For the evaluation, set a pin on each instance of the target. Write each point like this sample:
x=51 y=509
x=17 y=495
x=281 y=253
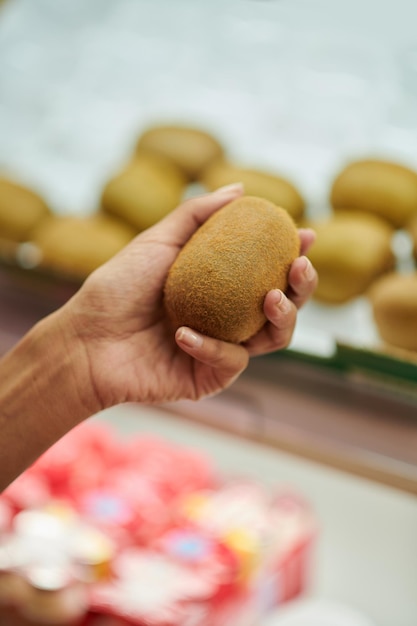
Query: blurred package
x=107 y=532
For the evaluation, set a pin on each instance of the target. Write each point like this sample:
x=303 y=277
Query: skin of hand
x=131 y=352
x=112 y=343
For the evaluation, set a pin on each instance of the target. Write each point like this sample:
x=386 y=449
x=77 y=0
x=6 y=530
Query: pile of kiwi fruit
x=370 y=201
x=166 y=162
x=33 y=235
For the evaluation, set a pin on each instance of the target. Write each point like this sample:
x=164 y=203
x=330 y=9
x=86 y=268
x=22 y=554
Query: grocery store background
x=296 y=86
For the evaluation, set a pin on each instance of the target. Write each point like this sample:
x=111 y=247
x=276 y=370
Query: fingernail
x=308 y=269
x=282 y=302
x=229 y=188
x=189 y=338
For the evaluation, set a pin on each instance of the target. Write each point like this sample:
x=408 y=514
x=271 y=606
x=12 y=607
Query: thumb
x=178 y=226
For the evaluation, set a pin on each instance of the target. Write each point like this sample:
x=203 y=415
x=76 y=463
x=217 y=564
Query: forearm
x=43 y=394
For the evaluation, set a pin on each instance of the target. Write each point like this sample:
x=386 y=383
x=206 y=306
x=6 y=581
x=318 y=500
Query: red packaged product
x=272 y=537
x=207 y=557
x=110 y=512
x=173 y=469
x=78 y=462
x=292 y=540
x=29 y=490
x=151 y=589
x=6 y=515
x=152 y=514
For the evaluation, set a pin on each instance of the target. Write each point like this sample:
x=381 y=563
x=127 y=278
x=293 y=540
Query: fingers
x=302 y=281
x=276 y=334
x=281 y=312
x=307 y=238
x=281 y=309
x=228 y=359
x=177 y=227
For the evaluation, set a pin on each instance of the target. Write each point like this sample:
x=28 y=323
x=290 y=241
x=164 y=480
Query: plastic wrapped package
x=148 y=535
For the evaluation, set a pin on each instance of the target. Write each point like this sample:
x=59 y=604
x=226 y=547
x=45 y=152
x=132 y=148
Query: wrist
x=43 y=393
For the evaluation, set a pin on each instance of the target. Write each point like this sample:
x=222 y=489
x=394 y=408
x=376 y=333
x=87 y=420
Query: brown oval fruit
x=351 y=251
x=380 y=187
x=145 y=190
x=258 y=183
x=76 y=246
x=190 y=149
x=219 y=280
x=21 y=210
x=394 y=306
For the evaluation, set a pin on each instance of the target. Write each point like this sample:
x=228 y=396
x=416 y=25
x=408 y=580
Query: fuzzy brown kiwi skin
x=218 y=283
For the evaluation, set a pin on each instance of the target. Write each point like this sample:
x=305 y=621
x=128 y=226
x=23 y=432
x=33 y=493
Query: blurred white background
x=293 y=85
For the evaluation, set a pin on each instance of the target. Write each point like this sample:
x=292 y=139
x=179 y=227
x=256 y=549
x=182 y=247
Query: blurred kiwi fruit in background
x=394 y=306
x=75 y=246
x=188 y=148
x=258 y=183
x=351 y=250
x=21 y=209
x=144 y=191
x=383 y=188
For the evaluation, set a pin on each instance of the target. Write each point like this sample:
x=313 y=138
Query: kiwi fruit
x=351 y=250
x=274 y=188
x=21 y=209
x=75 y=246
x=146 y=190
x=386 y=189
x=220 y=278
x=394 y=305
x=190 y=149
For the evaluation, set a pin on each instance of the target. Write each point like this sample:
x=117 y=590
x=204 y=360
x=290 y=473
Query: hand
x=131 y=351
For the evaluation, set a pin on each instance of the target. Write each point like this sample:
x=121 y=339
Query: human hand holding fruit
x=119 y=315
x=113 y=341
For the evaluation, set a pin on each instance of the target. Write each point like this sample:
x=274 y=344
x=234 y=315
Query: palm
x=132 y=352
